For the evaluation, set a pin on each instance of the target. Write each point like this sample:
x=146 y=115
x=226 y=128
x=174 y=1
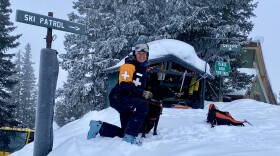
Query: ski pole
x=245 y=121
x=184 y=75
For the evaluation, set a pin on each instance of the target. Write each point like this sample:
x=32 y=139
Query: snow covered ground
x=181 y=132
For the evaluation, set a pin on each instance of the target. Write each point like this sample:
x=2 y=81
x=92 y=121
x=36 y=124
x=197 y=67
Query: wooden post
x=49 y=34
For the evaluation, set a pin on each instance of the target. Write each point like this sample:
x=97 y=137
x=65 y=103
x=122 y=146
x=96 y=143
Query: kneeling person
x=128 y=97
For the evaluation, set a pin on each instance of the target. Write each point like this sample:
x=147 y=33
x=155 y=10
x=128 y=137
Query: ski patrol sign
x=49 y=22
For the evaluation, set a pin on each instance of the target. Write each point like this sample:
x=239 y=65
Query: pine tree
x=64 y=113
x=28 y=91
x=25 y=91
x=16 y=96
x=6 y=66
x=114 y=26
x=217 y=22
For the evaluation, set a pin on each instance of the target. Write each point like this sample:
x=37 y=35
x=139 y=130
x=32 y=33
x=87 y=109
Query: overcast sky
x=267 y=24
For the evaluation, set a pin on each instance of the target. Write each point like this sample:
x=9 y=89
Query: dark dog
x=152 y=117
x=155 y=109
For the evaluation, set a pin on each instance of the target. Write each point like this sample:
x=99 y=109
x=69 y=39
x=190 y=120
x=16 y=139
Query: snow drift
x=181 y=132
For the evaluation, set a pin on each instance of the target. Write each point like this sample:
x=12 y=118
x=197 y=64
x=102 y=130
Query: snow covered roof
x=179 y=49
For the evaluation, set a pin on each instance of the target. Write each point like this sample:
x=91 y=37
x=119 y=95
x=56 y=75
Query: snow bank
x=181 y=132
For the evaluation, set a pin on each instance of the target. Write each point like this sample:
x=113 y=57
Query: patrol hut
x=175 y=66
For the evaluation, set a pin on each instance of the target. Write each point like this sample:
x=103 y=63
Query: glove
x=147 y=95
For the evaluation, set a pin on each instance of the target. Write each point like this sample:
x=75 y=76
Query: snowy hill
x=181 y=132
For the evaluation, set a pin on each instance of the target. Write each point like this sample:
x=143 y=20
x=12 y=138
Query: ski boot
x=94 y=128
x=131 y=139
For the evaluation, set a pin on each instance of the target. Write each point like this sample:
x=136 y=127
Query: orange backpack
x=217 y=117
